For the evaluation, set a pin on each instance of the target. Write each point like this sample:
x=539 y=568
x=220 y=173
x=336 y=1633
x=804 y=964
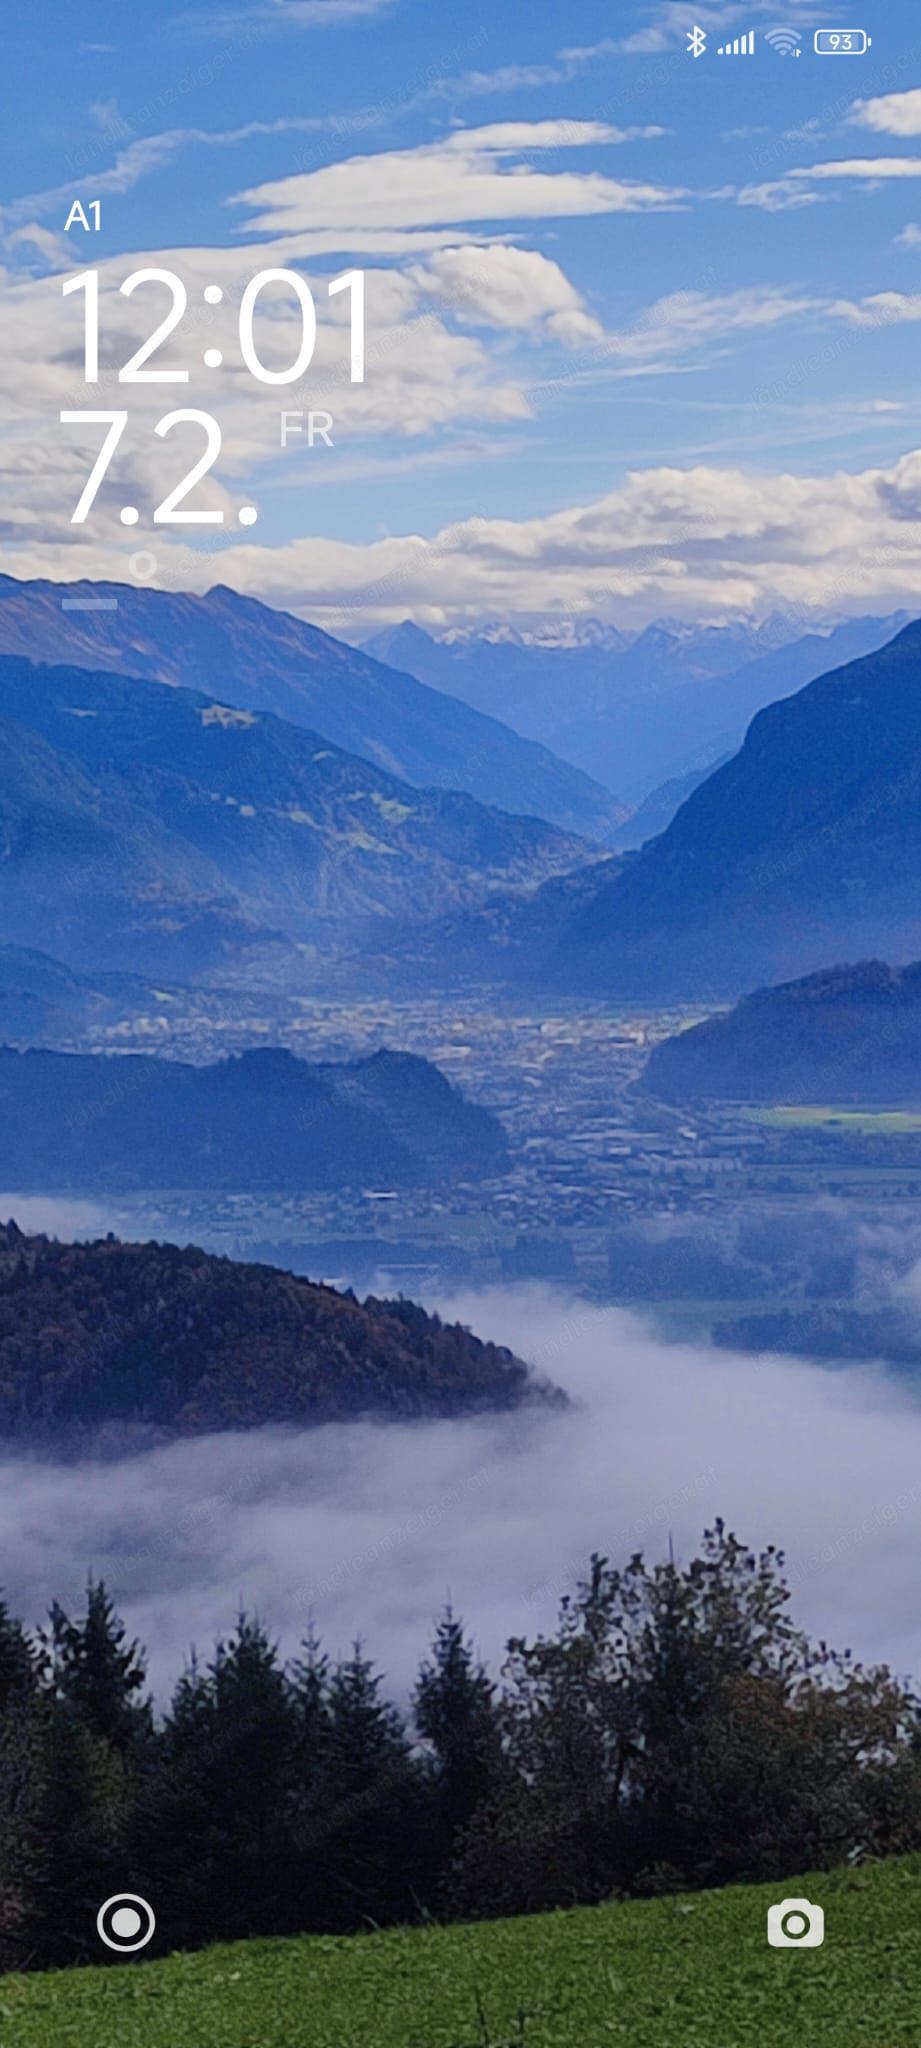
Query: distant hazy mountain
x=41 y=999
x=659 y=807
x=109 y=1337
x=637 y=712
x=262 y=660
x=802 y=850
x=510 y=940
x=99 y=1123
x=847 y=1034
x=148 y=828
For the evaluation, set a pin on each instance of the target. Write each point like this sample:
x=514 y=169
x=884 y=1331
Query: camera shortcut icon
x=795 y=1923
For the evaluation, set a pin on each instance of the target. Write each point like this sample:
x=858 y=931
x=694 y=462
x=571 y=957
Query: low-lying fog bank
x=368 y=1528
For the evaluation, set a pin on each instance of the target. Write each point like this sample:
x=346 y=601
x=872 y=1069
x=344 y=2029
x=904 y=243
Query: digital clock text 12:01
x=172 y=511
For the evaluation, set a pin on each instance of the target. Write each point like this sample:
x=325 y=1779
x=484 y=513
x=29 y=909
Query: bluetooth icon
x=697 y=41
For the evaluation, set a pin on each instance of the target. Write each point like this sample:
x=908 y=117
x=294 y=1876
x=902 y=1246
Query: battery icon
x=841 y=42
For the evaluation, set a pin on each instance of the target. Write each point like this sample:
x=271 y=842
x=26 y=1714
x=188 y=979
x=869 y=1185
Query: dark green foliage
x=109 y=1333
x=677 y=1730
x=212 y=1834
x=20 y=1659
x=23 y=1785
x=369 y=1848
x=97 y=1673
x=77 y=1825
x=455 y=1713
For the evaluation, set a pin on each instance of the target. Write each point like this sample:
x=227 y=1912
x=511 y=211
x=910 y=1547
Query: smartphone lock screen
x=460 y=1024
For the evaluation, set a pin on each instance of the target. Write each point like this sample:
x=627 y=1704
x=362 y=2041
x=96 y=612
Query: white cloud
x=425 y=373
x=364 y=1528
x=909 y=236
x=106 y=114
x=670 y=20
x=682 y=321
x=422 y=378
x=777 y=195
x=504 y=287
x=794 y=187
x=277 y=15
x=324 y=13
x=471 y=175
x=146 y=154
x=506 y=78
x=880 y=309
x=707 y=541
x=894 y=113
x=868 y=167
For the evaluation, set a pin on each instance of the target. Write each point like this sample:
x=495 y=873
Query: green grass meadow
x=868 y=1122
x=693 y=1971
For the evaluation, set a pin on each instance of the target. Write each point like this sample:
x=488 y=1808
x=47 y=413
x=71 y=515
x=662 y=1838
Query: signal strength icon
x=786 y=41
x=741 y=46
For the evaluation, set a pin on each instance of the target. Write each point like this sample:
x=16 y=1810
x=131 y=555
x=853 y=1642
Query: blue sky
x=642 y=330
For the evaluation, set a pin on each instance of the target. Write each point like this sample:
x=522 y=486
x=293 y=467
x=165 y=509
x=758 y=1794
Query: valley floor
x=692 y=1971
x=589 y=1154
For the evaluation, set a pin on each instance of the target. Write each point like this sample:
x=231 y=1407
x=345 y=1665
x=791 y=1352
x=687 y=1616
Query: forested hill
x=181 y=1342
x=847 y=1034
x=262 y=1119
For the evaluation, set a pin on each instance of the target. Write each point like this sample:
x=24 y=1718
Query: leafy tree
x=679 y=1729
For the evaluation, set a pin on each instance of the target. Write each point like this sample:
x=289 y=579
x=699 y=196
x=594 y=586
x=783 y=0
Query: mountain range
x=263 y=1120
x=257 y=659
x=97 y=1339
x=847 y=1034
x=41 y=1000
x=148 y=828
x=803 y=849
x=635 y=712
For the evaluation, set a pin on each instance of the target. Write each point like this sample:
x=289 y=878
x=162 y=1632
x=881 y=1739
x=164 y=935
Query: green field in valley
x=693 y=1971
x=815 y=1116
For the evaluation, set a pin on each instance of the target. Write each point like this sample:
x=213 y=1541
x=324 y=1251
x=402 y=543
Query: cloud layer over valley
x=368 y=1529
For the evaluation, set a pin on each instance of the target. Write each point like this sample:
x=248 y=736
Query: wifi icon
x=786 y=41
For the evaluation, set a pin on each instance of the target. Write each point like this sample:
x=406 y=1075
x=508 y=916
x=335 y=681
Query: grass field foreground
x=693 y=1971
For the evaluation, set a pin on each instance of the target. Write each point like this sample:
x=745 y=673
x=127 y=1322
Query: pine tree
x=97 y=1672
x=455 y=1715
x=19 y=1659
x=173 y=1847
x=23 y=1768
x=311 y=1793
x=213 y=1829
x=372 y=1851
x=78 y=1820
